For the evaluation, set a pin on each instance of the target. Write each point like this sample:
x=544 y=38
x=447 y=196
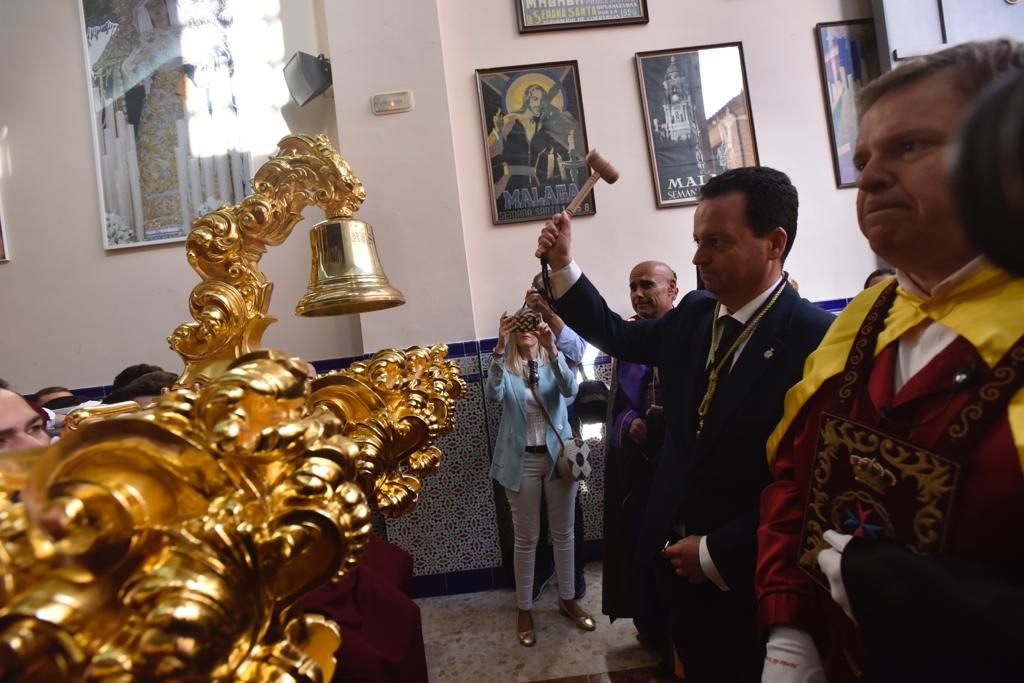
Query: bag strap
x=561 y=444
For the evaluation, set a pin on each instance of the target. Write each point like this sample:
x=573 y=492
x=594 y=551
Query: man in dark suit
x=726 y=358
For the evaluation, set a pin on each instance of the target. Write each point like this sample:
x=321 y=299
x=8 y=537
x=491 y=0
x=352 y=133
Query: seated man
x=21 y=425
x=144 y=389
x=131 y=373
x=44 y=396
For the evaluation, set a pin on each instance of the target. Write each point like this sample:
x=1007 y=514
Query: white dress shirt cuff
x=564 y=278
x=707 y=565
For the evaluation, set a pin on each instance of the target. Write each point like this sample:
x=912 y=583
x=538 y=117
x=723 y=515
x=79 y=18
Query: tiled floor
x=471 y=638
x=644 y=675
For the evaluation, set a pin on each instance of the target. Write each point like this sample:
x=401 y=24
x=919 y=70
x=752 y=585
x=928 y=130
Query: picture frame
x=535 y=140
x=165 y=119
x=697 y=116
x=544 y=15
x=5 y=253
x=848 y=59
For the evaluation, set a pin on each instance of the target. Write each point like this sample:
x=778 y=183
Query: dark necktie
x=729 y=329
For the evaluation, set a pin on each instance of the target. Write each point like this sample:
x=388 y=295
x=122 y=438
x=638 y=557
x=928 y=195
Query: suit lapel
x=696 y=364
x=762 y=352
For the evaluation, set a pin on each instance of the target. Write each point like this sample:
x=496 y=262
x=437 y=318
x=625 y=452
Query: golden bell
x=346 y=276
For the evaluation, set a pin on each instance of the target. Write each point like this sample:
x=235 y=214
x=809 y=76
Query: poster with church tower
x=697 y=116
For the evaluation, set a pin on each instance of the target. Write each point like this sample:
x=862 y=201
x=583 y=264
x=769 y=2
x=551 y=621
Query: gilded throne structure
x=175 y=541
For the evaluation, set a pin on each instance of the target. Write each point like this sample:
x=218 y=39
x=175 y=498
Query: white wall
x=71 y=313
x=406 y=163
x=830 y=259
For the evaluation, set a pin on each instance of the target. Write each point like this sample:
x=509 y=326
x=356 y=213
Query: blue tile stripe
x=460 y=349
x=453 y=583
x=833 y=305
x=475 y=352
x=95 y=393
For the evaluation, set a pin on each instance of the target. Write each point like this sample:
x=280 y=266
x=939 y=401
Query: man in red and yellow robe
x=955 y=611
x=983 y=316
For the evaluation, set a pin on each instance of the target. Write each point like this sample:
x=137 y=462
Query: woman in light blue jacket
x=530 y=378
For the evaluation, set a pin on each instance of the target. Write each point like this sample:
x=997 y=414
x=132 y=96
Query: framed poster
x=4 y=254
x=547 y=15
x=165 y=116
x=535 y=140
x=697 y=114
x=848 y=55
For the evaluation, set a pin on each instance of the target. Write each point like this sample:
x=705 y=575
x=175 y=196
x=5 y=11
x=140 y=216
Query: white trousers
x=525 y=504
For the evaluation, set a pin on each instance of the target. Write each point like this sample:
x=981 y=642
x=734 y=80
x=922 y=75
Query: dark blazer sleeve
x=934 y=618
x=638 y=341
x=731 y=547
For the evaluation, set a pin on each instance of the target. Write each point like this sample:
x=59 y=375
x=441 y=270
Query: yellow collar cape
x=986 y=308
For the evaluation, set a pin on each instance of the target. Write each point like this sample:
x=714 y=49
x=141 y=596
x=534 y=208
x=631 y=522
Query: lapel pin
x=769 y=353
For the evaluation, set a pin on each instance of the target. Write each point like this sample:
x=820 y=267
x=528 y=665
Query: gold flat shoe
x=527 y=638
x=583 y=623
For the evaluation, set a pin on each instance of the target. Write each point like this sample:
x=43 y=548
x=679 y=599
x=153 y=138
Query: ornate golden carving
x=76 y=418
x=174 y=542
x=225 y=246
x=395 y=405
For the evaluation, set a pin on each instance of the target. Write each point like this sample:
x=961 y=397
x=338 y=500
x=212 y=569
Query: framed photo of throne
x=697 y=116
x=535 y=140
x=167 y=114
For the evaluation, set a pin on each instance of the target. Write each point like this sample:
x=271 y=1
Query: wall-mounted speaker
x=307 y=76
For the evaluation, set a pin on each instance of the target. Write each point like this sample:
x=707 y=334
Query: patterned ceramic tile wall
x=462 y=521
x=592 y=490
x=462 y=517
x=591 y=494
x=454 y=526
x=493 y=410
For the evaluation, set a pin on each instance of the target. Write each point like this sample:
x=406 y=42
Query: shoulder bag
x=573 y=462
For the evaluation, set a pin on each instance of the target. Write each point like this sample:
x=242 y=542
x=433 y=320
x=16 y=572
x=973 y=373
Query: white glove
x=791 y=657
x=830 y=561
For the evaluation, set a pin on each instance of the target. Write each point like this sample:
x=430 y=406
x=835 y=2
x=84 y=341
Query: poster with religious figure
x=535 y=140
x=165 y=115
x=697 y=115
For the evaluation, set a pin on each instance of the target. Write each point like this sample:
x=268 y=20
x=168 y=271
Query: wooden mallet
x=601 y=168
